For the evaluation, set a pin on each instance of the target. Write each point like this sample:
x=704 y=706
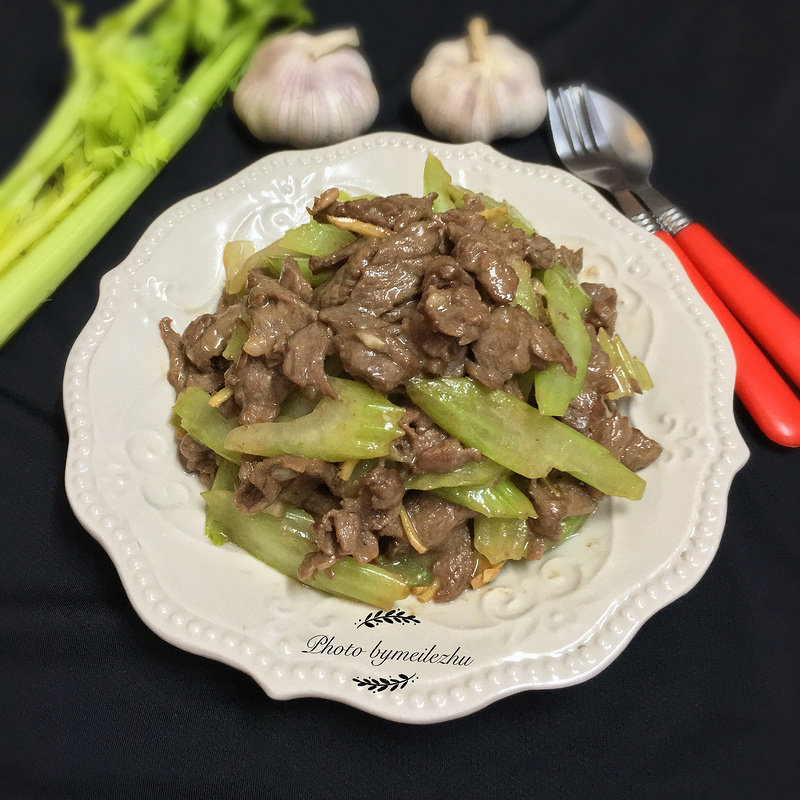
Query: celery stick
x=296 y=405
x=414 y=568
x=435 y=178
x=516 y=435
x=624 y=366
x=233 y=349
x=224 y=480
x=571 y=525
x=314 y=238
x=34 y=276
x=473 y=473
x=499 y=539
x=525 y=295
x=554 y=388
x=283 y=543
x=361 y=423
x=499 y=499
x=204 y=423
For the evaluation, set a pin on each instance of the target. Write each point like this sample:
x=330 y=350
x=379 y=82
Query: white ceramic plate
x=541 y=624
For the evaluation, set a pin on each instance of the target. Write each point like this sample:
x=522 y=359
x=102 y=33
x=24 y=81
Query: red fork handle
x=774 y=326
x=770 y=401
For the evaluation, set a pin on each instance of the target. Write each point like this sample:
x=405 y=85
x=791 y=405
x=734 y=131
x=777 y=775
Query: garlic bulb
x=307 y=90
x=479 y=88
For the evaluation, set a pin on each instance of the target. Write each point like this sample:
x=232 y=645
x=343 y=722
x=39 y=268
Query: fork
x=585 y=151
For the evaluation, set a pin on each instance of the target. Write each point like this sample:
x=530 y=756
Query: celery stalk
x=499 y=499
x=435 y=178
x=499 y=539
x=519 y=437
x=36 y=274
x=284 y=543
x=473 y=473
x=204 y=423
x=361 y=423
x=553 y=387
x=224 y=480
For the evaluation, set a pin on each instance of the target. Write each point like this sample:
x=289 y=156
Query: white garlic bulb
x=479 y=88
x=307 y=90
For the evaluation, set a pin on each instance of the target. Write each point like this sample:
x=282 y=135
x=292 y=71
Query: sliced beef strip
x=323 y=202
x=206 y=336
x=450 y=302
x=292 y=279
x=352 y=527
x=304 y=362
x=380 y=496
x=182 y=373
x=371 y=349
x=393 y=212
x=196 y=457
x=275 y=314
x=425 y=447
x=592 y=416
x=514 y=342
x=258 y=389
x=557 y=497
x=319 y=264
x=603 y=311
x=541 y=253
x=290 y=479
x=382 y=273
x=490 y=262
x=440 y=354
x=342 y=532
x=454 y=565
x=434 y=518
x=350 y=268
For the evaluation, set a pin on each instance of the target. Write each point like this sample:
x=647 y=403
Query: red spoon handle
x=774 y=326
x=768 y=398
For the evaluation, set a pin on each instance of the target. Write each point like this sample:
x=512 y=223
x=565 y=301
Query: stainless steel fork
x=587 y=153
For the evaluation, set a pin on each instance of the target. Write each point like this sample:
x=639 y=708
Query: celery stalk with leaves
x=142 y=80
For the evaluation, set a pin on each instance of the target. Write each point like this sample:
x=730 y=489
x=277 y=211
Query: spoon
x=773 y=324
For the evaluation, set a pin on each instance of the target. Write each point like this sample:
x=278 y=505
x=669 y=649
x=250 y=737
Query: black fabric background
x=703 y=703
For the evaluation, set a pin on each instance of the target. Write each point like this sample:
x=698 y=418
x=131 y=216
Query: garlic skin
x=479 y=88
x=307 y=90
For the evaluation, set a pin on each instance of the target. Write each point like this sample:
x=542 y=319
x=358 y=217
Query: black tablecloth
x=703 y=703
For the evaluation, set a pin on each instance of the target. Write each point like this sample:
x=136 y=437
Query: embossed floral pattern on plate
x=542 y=624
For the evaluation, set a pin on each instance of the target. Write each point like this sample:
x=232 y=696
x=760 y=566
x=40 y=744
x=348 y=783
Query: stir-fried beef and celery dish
x=404 y=393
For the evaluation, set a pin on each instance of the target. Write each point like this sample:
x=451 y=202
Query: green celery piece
x=282 y=543
x=499 y=539
x=435 y=178
x=498 y=499
x=473 y=473
x=233 y=349
x=525 y=295
x=413 y=568
x=518 y=436
x=553 y=387
x=296 y=405
x=314 y=238
x=571 y=525
x=510 y=218
x=361 y=423
x=624 y=366
x=224 y=480
x=203 y=422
